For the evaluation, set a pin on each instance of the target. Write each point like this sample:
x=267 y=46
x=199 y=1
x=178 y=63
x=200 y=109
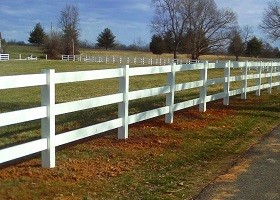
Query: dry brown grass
x=119 y=53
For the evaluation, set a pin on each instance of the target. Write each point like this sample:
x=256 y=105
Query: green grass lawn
x=158 y=161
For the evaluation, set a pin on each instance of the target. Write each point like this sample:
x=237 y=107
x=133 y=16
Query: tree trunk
x=174 y=54
x=195 y=56
x=175 y=47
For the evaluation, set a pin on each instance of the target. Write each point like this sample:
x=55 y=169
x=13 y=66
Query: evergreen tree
x=254 y=47
x=37 y=35
x=157 y=45
x=106 y=39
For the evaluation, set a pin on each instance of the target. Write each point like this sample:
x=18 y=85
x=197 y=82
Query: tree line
x=200 y=27
x=66 y=41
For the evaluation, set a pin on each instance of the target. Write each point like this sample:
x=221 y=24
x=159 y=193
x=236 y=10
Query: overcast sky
x=128 y=19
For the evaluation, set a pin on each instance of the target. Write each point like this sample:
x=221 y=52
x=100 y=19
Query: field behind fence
x=204 y=82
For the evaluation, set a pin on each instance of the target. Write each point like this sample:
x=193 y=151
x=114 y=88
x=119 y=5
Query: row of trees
x=66 y=41
x=199 y=27
x=196 y=26
x=185 y=26
x=238 y=46
x=106 y=39
x=63 y=41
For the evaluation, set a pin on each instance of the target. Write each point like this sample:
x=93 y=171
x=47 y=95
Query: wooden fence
x=4 y=57
x=47 y=112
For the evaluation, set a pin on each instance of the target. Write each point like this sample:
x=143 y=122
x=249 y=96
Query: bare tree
x=198 y=23
x=170 y=17
x=208 y=26
x=270 y=23
x=246 y=33
x=52 y=45
x=69 y=20
x=139 y=44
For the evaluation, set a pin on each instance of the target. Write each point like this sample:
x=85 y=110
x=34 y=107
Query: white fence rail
x=4 y=57
x=48 y=110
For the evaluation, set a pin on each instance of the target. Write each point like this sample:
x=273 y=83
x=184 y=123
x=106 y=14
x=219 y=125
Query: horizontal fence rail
x=4 y=57
x=48 y=79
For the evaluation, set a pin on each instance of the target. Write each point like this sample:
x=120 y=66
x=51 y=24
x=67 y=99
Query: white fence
x=48 y=110
x=129 y=60
x=71 y=58
x=4 y=57
x=124 y=60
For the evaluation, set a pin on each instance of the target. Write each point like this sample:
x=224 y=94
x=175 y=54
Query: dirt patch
x=234 y=172
x=190 y=119
x=72 y=167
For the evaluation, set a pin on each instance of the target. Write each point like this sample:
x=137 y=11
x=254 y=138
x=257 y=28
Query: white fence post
x=227 y=83
x=48 y=123
x=278 y=70
x=259 y=79
x=123 y=106
x=203 y=89
x=170 y=96
x=244 y=82
x=270 y=78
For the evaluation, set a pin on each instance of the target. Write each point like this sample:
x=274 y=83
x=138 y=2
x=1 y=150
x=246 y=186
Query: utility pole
x=0 y=43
